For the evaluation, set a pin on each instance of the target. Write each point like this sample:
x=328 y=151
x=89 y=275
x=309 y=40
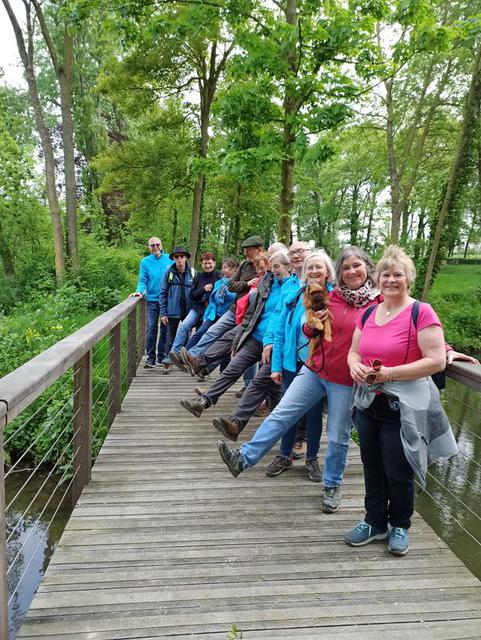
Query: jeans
x=205 y=326
x=306 y=390
x=388 y=476
x=225 y=322
x=183 y=331
x=153 y=313
x=313 y=419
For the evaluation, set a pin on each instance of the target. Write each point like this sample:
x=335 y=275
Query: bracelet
x=391 y=373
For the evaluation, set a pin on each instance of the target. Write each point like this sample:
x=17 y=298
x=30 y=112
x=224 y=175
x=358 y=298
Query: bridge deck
x=165 y=543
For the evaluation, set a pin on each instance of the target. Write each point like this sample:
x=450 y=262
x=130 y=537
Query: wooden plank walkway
x=164 y=543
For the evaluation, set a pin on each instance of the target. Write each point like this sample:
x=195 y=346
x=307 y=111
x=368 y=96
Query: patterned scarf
x=359 y=297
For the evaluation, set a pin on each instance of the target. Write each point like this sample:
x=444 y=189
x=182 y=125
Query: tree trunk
x=463 y=150
x=65 y=83
x=174 y=226
x=393 y=172
x=369 y=224
x=354 y=217
x=419 y=242
x=26 y=56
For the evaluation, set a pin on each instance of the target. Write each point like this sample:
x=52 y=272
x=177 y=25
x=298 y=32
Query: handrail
x=21 y=387
x=468 y=374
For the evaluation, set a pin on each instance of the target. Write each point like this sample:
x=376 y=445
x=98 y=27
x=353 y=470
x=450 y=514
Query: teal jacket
x=151 y=272
x=289 y=288
x=289 y=328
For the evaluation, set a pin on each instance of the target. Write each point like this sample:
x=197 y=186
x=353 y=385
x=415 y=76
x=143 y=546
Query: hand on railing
x=453 y=355
x=136 y=294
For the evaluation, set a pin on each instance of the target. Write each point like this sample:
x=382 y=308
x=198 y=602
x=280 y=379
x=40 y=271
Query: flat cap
x=252 y=241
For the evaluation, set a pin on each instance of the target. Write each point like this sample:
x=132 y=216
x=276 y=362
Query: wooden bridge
x=164 y=543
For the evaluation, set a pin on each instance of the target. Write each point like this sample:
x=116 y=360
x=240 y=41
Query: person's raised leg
x=184 y=329
x=225 y=322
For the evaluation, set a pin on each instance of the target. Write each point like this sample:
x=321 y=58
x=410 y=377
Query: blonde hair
x=281 y=256
x=394 y=256
x=319 y=253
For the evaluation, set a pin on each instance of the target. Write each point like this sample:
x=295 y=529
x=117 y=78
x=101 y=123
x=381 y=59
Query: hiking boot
x=231 y=457
x=313 y=471
x=240 y=392
x=331 y=499
x=363 y=534
x=229 y=428
x=199 y=390
x=149 y=364
x=196 y=406
x=398 y=543
x=278 y=465
x=177 y=361
x=263 y=411
x=192 y=363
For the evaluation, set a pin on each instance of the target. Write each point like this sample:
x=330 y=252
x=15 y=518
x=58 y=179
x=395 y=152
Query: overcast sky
x=9 y=58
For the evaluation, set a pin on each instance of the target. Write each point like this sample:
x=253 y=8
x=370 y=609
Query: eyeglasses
x=155 y=244
x=297 y=252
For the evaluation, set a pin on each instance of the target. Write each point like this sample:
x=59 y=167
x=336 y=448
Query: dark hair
x=352 y=250
x=231 y=262
x=207 y=255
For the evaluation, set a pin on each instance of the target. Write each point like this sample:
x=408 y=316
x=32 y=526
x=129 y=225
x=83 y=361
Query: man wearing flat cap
x=245 y=275
x=174 y=302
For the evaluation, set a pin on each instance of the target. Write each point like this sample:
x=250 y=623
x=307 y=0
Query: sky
x=9 y=58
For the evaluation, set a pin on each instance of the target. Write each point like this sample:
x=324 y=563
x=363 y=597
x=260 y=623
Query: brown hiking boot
x=196 y=406
x=263 y=411
x=192 y=363
x=230 y=428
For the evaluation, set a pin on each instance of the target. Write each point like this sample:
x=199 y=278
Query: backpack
x=439 y=378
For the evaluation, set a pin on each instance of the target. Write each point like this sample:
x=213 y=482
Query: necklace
x=388 y=313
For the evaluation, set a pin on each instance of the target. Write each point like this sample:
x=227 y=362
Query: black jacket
x=199 y=298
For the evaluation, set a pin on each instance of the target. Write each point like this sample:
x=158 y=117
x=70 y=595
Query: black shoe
x=229 y=428
x=231 y=457
x=149 y=364
x=196 y=406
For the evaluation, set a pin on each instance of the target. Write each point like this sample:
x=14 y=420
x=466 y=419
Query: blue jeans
x=305 y=391
x=184 y=329
x=313 y=425
x=153 y=313
x=204 y=327
x=225 y=322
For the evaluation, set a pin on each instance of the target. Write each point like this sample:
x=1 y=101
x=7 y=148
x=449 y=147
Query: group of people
x=310 y=337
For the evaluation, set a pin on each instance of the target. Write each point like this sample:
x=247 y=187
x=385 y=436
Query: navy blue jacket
x=199 y=297
x=171 y=289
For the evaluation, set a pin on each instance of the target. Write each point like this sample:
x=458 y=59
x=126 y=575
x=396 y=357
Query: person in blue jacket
x=151 y=272
x=174 y=298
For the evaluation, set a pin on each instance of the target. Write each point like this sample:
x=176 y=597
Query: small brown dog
x=316 y=299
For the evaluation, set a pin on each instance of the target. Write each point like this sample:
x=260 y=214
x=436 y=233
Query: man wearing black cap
x=242 y=279
x=174 y=295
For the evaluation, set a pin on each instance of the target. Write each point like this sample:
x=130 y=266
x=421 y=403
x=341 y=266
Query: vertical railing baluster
x=142 y=329
x=115 y=372
x=3 y=546
x=131 y=345
x=82 y=424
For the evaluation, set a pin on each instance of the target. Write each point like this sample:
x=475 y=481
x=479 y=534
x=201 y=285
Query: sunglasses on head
x=155 y=244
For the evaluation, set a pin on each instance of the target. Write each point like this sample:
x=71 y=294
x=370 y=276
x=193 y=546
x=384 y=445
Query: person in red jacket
x=325 y=375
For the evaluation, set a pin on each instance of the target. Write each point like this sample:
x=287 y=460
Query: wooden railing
x=24 y=385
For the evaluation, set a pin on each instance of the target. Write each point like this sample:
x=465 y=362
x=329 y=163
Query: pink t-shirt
x=389 y=342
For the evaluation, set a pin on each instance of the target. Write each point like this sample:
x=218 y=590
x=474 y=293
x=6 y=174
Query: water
x=453 y=508
x=35 y=535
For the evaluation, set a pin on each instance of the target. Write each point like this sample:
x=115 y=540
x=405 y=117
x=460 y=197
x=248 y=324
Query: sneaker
x=229 y=428
x=196 y=406
x=398 y=543
x=150 y=364
x=240 y=392
x=278 y=465
x=166 y=362
x=313 y=471
x=363 y=534
x=191 y=362
x=177 y=361
x=199 y=390
x=231 y=457
x=331 y=499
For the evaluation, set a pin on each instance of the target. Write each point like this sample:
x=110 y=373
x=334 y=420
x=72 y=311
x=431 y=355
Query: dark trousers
x=248 y=354
x=261 y=387
x=155 y=351
x=388 y=476
x=171 y=331
x=219 y=352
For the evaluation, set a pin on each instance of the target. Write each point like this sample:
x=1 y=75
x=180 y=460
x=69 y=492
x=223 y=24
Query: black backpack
x=439 y=378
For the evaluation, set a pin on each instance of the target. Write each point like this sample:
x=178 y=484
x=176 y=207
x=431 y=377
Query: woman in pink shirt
x=389 y=347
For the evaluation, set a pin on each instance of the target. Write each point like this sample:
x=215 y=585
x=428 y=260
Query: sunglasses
x=156 y=244
x=180 y=255
x=371 y=377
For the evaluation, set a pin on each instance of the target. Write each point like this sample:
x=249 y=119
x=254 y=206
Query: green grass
x=456 y=297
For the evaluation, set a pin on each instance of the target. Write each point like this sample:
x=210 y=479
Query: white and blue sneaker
x=398 y=543
x=363 y=533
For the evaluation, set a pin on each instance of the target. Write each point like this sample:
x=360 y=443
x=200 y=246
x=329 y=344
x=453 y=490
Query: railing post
x=142 y=329
x=115 y=372
x=4 y=634
x=131 y=345
x=82 y=424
